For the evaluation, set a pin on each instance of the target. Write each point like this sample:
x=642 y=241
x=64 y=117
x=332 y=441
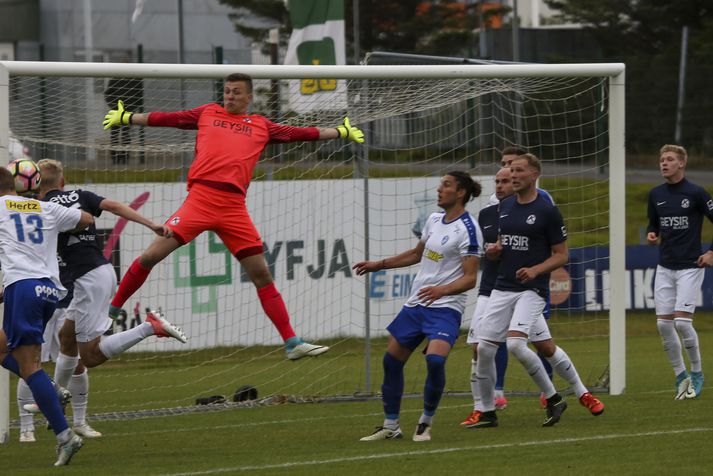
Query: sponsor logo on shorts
x=46 y=291
x=444 y=334
x=25 y=206
x=175 y=220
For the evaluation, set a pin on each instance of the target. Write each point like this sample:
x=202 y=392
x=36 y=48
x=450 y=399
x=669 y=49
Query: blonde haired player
x=676 y=210
x=94 y=280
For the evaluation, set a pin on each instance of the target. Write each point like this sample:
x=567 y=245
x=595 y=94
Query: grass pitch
x=643 y=431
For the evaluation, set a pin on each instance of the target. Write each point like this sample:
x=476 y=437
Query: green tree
x=646 y=35
x=404 y=26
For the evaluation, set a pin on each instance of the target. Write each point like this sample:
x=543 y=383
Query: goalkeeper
x=228 y=145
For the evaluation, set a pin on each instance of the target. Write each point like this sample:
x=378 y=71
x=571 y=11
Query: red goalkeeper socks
x=275 y=309
x=132 y=280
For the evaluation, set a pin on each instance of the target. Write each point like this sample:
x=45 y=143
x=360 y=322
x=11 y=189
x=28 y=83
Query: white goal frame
x=615 y=72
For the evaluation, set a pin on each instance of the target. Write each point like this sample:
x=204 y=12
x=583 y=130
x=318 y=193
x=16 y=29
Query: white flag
x=317 y=38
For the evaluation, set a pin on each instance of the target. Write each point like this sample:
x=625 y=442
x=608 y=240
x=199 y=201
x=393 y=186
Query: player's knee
x=435 y=363
x=517 y=346
x=545 y=348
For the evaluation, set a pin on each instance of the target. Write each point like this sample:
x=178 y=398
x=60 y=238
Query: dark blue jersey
x=80 y=251
x=488 y=221
x=676 y=214
x=527 y=234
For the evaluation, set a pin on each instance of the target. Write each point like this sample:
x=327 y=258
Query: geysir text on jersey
x=236 y=127
x=515 y=242
x=675 y=223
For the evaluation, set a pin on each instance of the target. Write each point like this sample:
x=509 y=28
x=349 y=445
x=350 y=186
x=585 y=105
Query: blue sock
x=501 y=365
x=45 y=396
x=393 y=387
x=435 y=383
x=546 y=363
x=293 y=342
x=11 y=364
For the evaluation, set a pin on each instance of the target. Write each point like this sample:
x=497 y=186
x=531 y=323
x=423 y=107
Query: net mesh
x=314 y=204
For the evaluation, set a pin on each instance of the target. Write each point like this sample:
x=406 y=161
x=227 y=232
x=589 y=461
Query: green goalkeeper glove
x=117 y=117
x=347 y=131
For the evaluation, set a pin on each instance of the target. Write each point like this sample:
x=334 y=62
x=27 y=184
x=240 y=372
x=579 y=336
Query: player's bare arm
x=124 y=211
x=559 y=258
x=430 y=294
x=407 y=258
x=85 y=221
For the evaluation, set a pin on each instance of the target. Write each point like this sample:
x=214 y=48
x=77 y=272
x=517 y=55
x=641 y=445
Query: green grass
x=643 y=431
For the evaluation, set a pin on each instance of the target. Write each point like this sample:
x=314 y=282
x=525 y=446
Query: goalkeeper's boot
x=471 y=419
x=382 y=433
x=27 y=436
x=593 y=404
x=163 y=328
x=86 y=431
x=296 y=348
x=683 y=383
x=66 y=450
x=63 y=395
x=422 y=433
x=696 y=386
x=555 y=408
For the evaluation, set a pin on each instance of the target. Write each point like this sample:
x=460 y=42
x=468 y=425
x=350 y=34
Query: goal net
x=322 y=206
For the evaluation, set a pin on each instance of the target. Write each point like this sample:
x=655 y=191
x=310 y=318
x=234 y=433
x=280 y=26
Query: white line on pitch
x=538 y=442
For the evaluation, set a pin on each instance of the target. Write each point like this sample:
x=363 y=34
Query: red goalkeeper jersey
x=228 y=145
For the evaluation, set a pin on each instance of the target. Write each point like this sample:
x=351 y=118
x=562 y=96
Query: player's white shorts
x=511 y=311
x=50 y=349
x=677 y=289
x=480 y=306
x=540 y=330
x=89 y=308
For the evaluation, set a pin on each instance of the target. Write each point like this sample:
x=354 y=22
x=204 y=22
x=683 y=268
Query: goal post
x=323 y=206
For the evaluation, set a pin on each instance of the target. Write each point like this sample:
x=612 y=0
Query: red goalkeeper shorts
x=225 y=213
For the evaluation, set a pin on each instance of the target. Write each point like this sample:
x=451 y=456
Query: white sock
x=486 y=374
x=79 y=386
x=64 y=436
x=474 y=387
x=64 y=368
x=428 y=420
x=564 y=367
x=115 y=344
x=499 y=393
x=391 y=424
x=671 y=344
x=24 y=397
x=689 y=336
x=532 y=363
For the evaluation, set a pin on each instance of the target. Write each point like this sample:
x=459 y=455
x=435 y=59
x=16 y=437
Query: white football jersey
x=28 y=238
x=445 y=245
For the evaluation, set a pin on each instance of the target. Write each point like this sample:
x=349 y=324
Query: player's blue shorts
x=29 y=304
x=413 y=324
